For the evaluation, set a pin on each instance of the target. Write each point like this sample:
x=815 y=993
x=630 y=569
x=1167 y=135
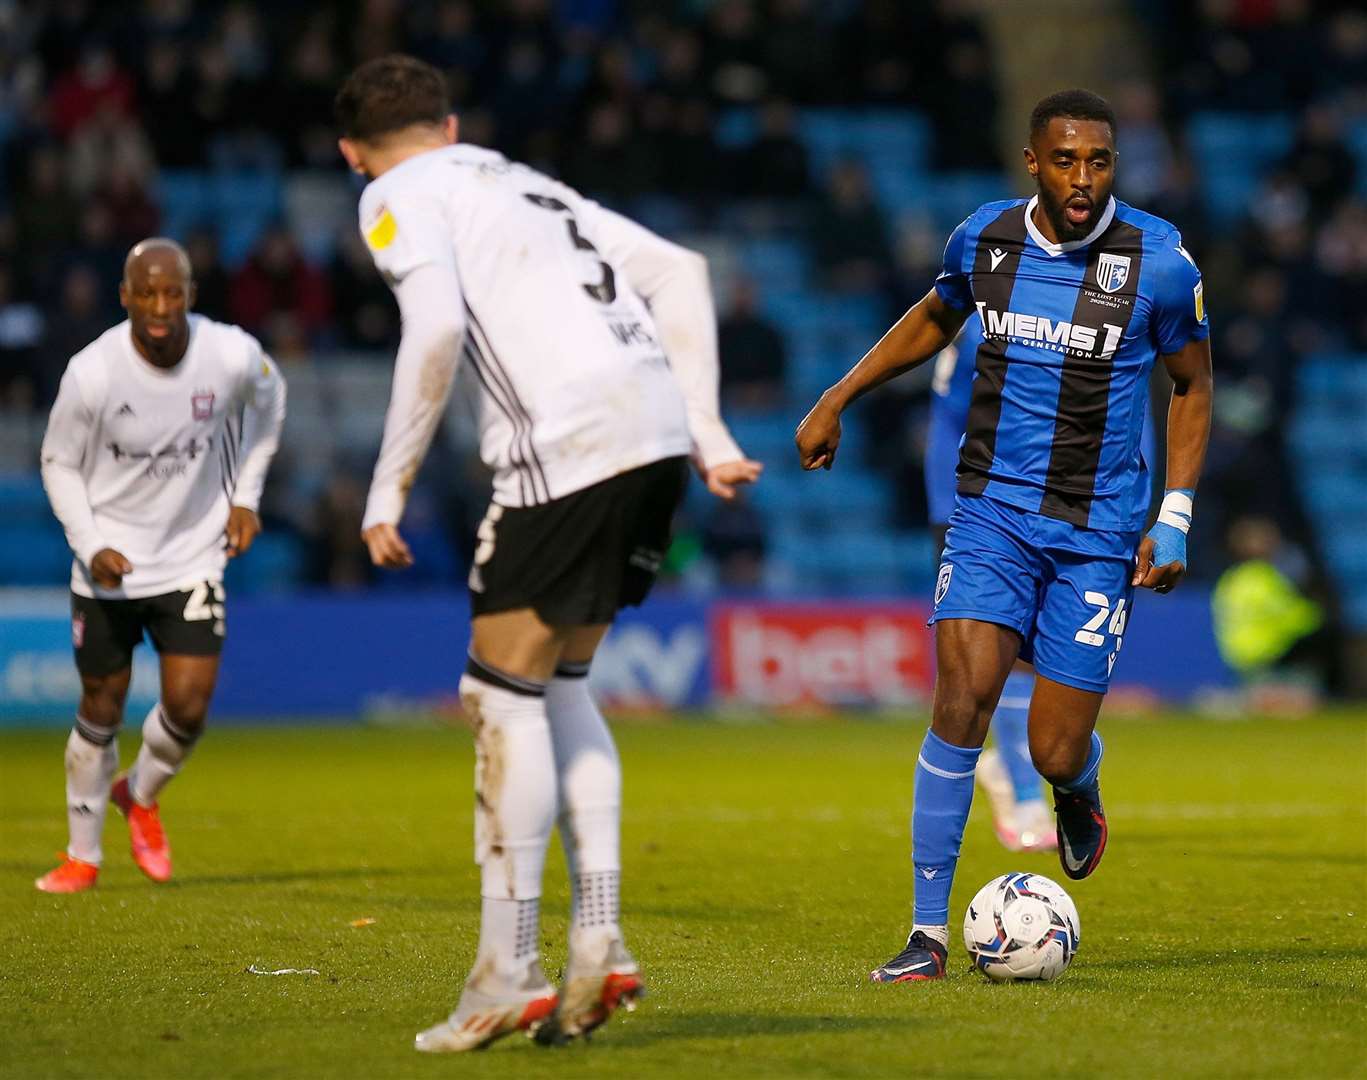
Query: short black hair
x=1073 y=104
x=388 y=94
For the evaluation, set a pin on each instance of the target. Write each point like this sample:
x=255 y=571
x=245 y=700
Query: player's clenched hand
x=387 y=547
x=818 y=436
x=243 y=527
x=108 y=567
x=722 y=480
x=1161 y=578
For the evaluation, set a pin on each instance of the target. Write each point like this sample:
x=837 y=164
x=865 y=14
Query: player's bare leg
x=169 y=733
x=92 y=758
x=601 y=975
x=972 y=660
x=512 y=657
x=1067 y=752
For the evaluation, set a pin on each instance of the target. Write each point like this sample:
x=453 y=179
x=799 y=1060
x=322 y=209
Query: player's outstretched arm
x=263 y=417
x=917 y=336
x=424 y=372
x=1162 y=557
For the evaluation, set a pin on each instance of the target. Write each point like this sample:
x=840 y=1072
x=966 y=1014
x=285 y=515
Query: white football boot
x=487 y=1012
x=996 y=781
x=600 y=977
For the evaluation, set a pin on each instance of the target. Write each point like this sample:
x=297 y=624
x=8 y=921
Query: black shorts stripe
x=1001 y=241
x=500 y=374
x=514 y=448
x=1085 y=383
x=484 y=673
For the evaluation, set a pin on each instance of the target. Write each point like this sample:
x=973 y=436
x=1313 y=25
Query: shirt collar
x=1054 y=250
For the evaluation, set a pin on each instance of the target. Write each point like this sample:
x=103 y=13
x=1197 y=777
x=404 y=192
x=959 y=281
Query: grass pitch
x=767 y=870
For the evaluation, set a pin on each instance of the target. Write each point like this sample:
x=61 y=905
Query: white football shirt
x=147 y=461
x=577 y=378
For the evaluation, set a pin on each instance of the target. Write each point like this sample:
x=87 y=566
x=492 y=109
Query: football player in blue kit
x=1005 y=772
x=1078 y=295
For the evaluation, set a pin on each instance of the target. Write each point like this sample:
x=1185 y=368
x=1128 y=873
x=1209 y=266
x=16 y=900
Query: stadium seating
x=1329 y=444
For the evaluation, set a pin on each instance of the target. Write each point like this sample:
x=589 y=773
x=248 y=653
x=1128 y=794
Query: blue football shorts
x=1064 y=589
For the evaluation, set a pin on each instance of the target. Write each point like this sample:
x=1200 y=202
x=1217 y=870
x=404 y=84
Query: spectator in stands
x=753 y=354
x=798 y=57
x=95 y=84
x=1148 y=150
x=339 y=559
x=774 y=166
x=21 y=335
x=303 y=104
x=1319 y=162
x=733 y=537
x=1268 y=625
x=850 y=234
x=366 y=312
x=277 y=278
x=79 y=319
x=165 y=90
x=132 y=212
x=47 y=215
x=211 y=279
x=734 y=52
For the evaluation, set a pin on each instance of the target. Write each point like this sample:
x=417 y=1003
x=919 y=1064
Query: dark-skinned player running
x=1079 y=295
x=154 y=460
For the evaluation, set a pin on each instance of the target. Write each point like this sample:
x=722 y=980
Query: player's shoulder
x=989 y=212
x=90 y=366
x=227 y=342
x=1162 y=239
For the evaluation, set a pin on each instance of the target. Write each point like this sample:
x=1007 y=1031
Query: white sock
x=935 y=933
x=515 y=794
x=164 y=750
x=92 y=759
x=510 y=937
x=590 y=776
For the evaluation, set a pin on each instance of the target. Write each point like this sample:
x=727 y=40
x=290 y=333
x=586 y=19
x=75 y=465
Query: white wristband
x=1176 y=510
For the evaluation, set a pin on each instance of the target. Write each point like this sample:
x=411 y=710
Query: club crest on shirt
x=202 y=405
x=942 y=582
x=1112 y=271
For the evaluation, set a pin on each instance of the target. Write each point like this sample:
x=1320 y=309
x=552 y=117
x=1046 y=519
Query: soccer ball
x=1021 y=927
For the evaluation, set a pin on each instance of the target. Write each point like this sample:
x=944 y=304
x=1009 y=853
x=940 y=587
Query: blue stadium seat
x=184 y=196
x=275 y=564
x=23 y=500
x=33 y=554
x=736 y=128
x=1234 y=151
x=244 y=204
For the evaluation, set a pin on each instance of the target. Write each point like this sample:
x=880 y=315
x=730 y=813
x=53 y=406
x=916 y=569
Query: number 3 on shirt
x=605 y=291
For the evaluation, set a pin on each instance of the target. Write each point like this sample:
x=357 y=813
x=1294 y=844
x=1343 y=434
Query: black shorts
x=105 y=632
x=577 y=560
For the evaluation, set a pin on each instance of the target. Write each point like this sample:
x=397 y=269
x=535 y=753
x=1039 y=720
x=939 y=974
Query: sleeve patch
x=1198 y=292
x=381 y=234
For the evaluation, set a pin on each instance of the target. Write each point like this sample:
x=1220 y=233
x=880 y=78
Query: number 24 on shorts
x=1089 y=634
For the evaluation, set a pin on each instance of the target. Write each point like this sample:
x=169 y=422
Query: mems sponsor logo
x=1059 y=335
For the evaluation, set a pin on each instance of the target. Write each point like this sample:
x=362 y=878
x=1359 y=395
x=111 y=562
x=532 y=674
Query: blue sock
x=1010 y=727
x=1087 y=777
x=944 y=792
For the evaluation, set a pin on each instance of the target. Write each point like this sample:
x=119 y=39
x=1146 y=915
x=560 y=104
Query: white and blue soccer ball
x=1022 y=927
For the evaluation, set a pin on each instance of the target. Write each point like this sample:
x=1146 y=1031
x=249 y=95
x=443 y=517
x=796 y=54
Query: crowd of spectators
x=622 y=98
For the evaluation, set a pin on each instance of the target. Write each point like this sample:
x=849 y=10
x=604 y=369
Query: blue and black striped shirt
x=1070 y=334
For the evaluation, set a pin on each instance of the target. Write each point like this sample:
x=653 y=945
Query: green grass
x=767 y=870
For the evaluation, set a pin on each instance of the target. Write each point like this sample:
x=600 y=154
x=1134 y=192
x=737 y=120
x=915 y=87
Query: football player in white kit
x=154 y=460
x=592 y=345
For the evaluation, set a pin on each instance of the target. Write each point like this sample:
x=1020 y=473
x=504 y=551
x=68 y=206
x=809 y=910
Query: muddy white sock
x=515 y=797
x=935 y=933
x=164 y=750
x=92 y=759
